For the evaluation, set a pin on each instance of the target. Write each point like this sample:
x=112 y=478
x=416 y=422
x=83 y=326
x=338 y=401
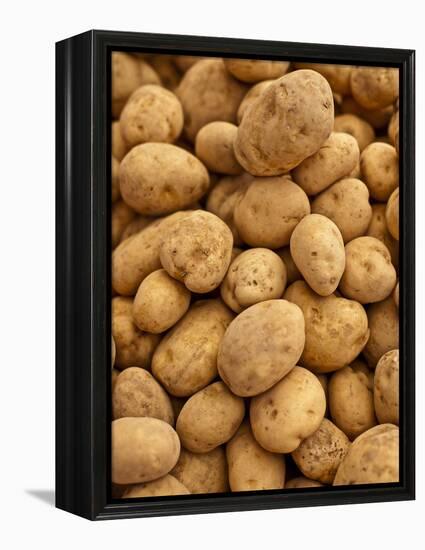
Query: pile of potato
x=255 y=229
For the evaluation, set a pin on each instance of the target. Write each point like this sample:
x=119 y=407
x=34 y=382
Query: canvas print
x=254 y=271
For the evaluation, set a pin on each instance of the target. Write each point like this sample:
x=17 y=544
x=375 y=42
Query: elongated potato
x=202 y=473
x=386 y=388
x=164 y=486
x=384 y=330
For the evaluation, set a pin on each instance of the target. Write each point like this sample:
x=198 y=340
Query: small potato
x=396 y=295
x=357 y=127
x=346 y=203
x=252 y=468
x=351 y=399
x=196 y=250
x=374 y=87
x=268 y=211
x=254 y=276
x=266 y=147
x=261 y=346
x=160 y=302
x=134 y=348
x=317 y=248
x=320 y=454
x=162 y=487
x=143 y=449
x=255 y=70
x=209 y=418
x=336 y=158
x=115 y=181
x=301 y=483
x=186 y=359
x=369 y=275
x=336 y=329
x=378 y=228
x=251 y=96
x=378 y=118
x=380 y=171
x=386 y=388
x=292 y=272
x=384 y=330
x=159 y=178
x=152 y=113
x=372 y=458
x=214 y=147
x=338 y=76
x=121 y=216
x=119 y=147
x=136 y=225
x=289 y=412
x=392 y=214
x=138 y=394
x=202 y=473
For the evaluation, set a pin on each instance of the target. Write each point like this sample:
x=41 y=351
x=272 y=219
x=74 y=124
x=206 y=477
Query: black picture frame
x=83 y=278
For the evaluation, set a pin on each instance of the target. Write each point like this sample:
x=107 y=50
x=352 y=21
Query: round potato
x=255 y=70
x=186 y=359
x=251 y=96
x=384 y=330
x=338 y=76
x=290 y=411
x=115 y=180
x=357 y=127
x=317 y=248
x=119 y=147
x=392 y=214
x=202 y=473
x=378 y=118
x=214 y=147
x=261 y=346
x=121 y=216
x=374 y=87
x=380 y=171
x=386 y=388
x=378 y=229
x=303 y=100
x=164 y=486
x=143 y=449
x=302 y=482
x=209 y=418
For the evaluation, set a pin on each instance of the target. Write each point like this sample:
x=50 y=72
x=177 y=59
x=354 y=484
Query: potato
x=196 y=250
x=396 y=295
x=378 y=118
x=137 y=393
x=336 y=329
x=159 y=178
x=292 y=272
x=302 y=482
x=134 y=348
x=159 y=302
x=202 y=473
x=303 y=100
x=394 y=126
x=386 y=388
x=336 y=158
x=346 y=203
x=152 y=113
x=320 y=454
x=369 y=275
x=208 y=92
x=186 y=359
x=317 y=248
x=374 y=87
x=378 y=228
x=261 y=346
x=143 y=449
x=254 y=276
x=251 y=96
x=384 y=330
x=351 y=399
x=164 y=486
x=252 y=468
x=290 y=411
x=165 y=67
x=137 y=224
x=115 y=181
x=392 y=214
x=338 y=76
x=268 y=211
x=372 y=458
x=115 y=374
x=357 y=127
x=185 y=62
x=121 y=216
x=255 y=70
x=113 y=351
x=119 y=147
x=209 y=418
x=214 y=147
x=380 y=171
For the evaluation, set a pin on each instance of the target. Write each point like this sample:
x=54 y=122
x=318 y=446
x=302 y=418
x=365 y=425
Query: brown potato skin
x=386 y=388
x=380 y=170
x=384 y=330
x=374 y=87
x=251 y=95
x=357 y=127
x=202 y=473
x=164 y=486
x=378 y=228
x=301 y=482
x=261 y=346
x=255 y=70
x=209 y=418
x=214 y=147
x=392 y=214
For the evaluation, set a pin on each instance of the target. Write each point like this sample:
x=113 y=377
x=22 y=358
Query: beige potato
x=254 y=276
x=357 y=127
x=138 y=394
x=396 y=295
x=369 y=275
x=196 y=250
x=252 y=468
x=380 y=171
x=292 y=272
x=386 y=388
x=302 y=482
x=320 y=454
x=317 y=248
x=261 y=346
x=267 y=147
x=378 y=229
x=164 y=486
x=378 y=118
x=134 y=348
x=289 y=412
x=202 y=473
x=268 y=210
x=384 y=330
x=255 y=70
x=392 y=214
x=338 y=76
x=115 y=180
x=152 y=113
x=336 y=329
x=346 y=203
x=374 y=87
x=209 y=418
x=160 y=178
x=121 y=216
x=372 y=458
x=119 y=147
x=214 y=147
x=137 y=224
x=337 y=157
x=160 y=302
x=143 y=449
x=249 y=98
x=186 y=359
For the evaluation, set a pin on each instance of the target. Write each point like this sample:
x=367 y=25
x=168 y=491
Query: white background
x=28 y=33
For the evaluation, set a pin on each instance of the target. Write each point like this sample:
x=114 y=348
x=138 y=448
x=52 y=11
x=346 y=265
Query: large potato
x=186 y=359
x=164 y=486
x=290 y=411
x=378 y=229
x=384 y=330
x=356 y=127
x=338 y=76
x=214 y=147
x=380 y=171
x=287 y=123
x=209 y=418
x=374 y=87
x=261 y=346
x=202 y=473
x=386 y=388
x=255 y=70
x=251 y=96
x=392 y=214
